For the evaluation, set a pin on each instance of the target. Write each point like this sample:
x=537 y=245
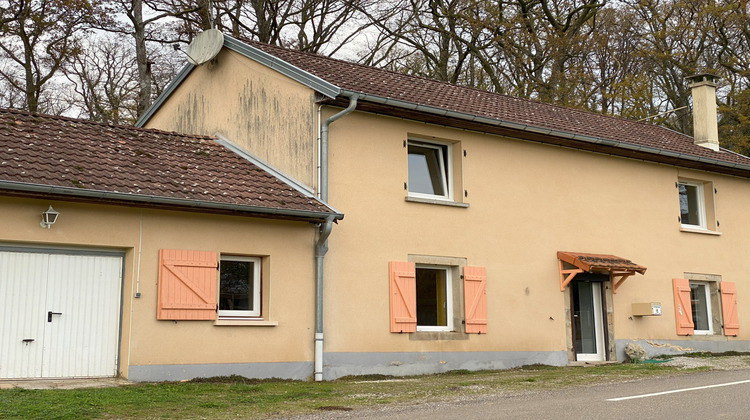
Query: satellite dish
x=205 y=46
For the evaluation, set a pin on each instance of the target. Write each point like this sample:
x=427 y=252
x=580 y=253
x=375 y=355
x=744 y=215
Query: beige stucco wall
x=286 y=249
x=249 y=105
x=526 y=202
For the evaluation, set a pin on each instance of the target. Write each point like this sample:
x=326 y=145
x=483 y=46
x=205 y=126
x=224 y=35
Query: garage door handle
x=50 y=313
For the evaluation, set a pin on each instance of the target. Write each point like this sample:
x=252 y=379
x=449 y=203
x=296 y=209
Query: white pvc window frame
x=255 y=296
x=448 y=300
x=709 y=315
x=700 y=204
x=443 y=153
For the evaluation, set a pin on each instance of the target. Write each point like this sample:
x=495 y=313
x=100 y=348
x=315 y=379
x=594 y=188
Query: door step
x=584 y=364
x=581 y=363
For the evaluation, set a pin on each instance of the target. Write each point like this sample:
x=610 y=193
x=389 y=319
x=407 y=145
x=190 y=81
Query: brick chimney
x=705 y=125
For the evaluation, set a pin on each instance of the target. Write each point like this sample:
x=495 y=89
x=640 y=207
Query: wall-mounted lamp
x=49 y=217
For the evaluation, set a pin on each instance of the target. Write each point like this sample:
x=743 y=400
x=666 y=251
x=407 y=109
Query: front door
x=588 y=321
x=59 y=315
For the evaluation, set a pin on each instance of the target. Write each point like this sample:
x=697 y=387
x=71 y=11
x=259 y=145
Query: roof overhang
x=337 y=96
x=440 y=116
x=619 y=269
x=53 y=192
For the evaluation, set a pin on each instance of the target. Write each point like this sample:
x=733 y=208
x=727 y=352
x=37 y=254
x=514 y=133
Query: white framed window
x=430 y=170
x=700 y=303
x=239 y=287
x=692 y=204
x=434 y=298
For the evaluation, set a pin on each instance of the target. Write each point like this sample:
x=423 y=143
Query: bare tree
x=139 y=28
x=105 y=80
x=36 y=37
x=431 y=38
x=320 y=26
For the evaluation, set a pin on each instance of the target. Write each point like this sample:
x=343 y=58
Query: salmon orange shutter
x=187 y=285
x=729 y=308
x=403 y=289
x=475 y=300
x=683 y=312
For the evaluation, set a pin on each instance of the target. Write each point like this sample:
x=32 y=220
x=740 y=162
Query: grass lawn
x=237 y=397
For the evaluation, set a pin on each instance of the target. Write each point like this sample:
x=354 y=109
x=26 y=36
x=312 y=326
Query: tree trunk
x=144 y=65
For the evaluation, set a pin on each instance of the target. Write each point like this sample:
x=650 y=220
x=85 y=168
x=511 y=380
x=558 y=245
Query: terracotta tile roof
x=76 y=158
x=588 y=262
x=536 y=115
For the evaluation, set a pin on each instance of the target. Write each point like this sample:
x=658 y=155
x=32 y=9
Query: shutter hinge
x=405 y=186
x=676 y=185
x=217 y=308
x=404 y=143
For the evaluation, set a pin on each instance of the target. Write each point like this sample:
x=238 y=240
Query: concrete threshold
x=584 y=364
x=73 y=383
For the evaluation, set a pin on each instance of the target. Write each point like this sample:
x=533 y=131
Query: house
x=481 y=232
x=146 y=232
x=484 y=231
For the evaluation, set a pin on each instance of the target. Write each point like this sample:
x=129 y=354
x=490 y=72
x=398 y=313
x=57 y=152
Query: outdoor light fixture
x=49 y=217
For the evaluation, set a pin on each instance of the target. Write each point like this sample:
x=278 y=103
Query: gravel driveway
x=717 y=363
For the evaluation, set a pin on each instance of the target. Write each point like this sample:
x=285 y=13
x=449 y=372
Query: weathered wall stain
x=272 y=117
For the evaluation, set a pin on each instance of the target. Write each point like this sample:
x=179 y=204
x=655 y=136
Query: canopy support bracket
x=618 y=278
x=566 y=275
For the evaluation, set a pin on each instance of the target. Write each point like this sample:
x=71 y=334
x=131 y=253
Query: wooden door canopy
x=619 y=269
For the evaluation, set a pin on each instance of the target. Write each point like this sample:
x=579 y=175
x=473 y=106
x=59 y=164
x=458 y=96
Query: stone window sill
x=701 y=231
x=438 y=202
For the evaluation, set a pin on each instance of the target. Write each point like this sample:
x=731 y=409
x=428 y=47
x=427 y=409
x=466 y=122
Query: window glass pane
x=698 y=300
x=431 y=297
x=236 y=286
x=426 y=170
x=689 y=204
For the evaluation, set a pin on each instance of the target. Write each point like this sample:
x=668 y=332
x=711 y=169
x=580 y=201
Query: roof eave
x=736 y=167
x=44 y=191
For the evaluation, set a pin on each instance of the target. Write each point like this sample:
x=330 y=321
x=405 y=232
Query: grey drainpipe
x=324 y=145
x=321 y=246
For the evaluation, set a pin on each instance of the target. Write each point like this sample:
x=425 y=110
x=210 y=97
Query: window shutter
x=187 y=285
x=475 y=299
x=403 y=288
x=729 y=308
x=683 y=312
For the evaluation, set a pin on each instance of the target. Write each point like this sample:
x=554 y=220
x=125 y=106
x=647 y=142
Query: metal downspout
x=321 y=246
x=324 y=146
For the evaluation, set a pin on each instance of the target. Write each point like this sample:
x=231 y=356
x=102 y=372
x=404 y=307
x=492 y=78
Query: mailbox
x=647 y=309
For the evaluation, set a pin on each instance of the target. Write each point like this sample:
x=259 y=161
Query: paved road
x=727 y=397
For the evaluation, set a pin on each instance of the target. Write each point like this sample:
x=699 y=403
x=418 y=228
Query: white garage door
x=59 y=314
